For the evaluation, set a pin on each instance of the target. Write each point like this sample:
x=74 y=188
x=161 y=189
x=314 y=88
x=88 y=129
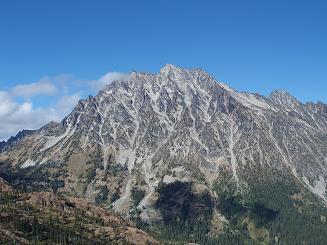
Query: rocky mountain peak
x=284 y=98
x=176 y=126
x=168 y=68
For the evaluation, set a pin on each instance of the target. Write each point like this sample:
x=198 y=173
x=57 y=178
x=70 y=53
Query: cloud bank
x=20 y=106
x=18 y=116
x=44 y=86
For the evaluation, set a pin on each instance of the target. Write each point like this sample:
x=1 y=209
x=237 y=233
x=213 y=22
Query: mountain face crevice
x=177 y=125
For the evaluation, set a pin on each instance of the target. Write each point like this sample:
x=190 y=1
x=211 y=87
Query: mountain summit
x=161 y=141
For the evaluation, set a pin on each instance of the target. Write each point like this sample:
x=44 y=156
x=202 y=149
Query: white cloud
x=6 y=105
x=109 y=78
x=44 y=87
x=16 y=116
x=66 y=103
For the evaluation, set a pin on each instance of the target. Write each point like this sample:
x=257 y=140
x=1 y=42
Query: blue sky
x=65 y=47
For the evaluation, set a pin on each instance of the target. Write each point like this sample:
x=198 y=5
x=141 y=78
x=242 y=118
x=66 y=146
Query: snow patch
x=168 y=179
x=231 y=145
x=126 y=156
x=249 y=100
x=226 y=87
x=147 y=207
x=28 y=163
x=52 y=141
x=319 y=187
x=122 y=204
x=178 y=169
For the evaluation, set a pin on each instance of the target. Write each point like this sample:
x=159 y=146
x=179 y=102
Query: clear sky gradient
x=255 y=46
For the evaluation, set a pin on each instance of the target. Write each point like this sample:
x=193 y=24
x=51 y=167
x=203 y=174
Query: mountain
x=177 y=149
x=14 y=140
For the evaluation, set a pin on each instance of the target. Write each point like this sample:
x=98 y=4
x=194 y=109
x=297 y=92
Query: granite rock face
x=177 y=125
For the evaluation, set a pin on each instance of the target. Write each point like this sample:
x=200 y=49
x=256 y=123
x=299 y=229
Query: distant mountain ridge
x=14 y=139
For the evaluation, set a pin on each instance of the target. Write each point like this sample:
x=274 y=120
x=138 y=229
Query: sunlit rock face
x=181 y=125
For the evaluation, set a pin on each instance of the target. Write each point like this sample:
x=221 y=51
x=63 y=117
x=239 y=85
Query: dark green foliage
x=90 y=174
x=116 y=169
x=137 y=195
x=41 y=227
x=102 y=195
x=231 y=206
x=36 y=178
x=296 y=221
x=268 y=203
x=261 y=215
x=115 y=196
x=235 y=208
x=56 y=184
x=186 y=215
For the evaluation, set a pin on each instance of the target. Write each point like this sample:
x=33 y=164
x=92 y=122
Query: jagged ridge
x=181 y=125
